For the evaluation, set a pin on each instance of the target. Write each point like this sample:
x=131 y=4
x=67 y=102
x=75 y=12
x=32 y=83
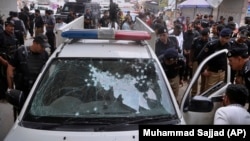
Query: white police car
x=101 y=87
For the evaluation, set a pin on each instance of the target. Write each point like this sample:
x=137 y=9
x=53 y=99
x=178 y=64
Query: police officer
x=39 y=23
x=239 y=41
x=3 y=80
x=173 y=66
x=8 y=40
x=164 y=42
x=27 y=64
x=20 y=30
x=214 y=70
x=8 y=44
x=239 y=61
x=197 y=45
x=50 y=25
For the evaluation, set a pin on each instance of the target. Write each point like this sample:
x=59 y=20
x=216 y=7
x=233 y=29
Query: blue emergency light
x=110 y=34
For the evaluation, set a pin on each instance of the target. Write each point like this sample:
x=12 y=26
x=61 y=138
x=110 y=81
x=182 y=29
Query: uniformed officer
x=8 y=40
x=239 y=61
x=20 y=30
x=164 y=42
x=214 y=71
x=197 y=45
x=50 y=25
x=8 y=44
x=239 y=41
x=174 y=68
x=27 y=64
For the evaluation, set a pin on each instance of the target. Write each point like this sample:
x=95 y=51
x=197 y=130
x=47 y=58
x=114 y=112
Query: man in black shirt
x=214 y=70
x=239 y=61
x=173 y=66
x=88 y=21
x=8 y=45
x=26 y=64
x=197 y=45
x=164 y=42
x=104 y=21
x=39 y=23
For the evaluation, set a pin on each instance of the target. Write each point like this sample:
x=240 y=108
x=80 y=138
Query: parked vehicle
x=79 y=8
x=101 y=84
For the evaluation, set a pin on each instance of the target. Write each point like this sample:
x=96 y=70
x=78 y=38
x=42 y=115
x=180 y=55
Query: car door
x=200 y=109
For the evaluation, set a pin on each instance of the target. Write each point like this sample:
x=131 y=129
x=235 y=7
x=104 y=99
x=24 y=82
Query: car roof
x=104 y=49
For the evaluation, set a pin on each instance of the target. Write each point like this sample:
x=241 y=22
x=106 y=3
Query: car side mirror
x=200 y=104
x=15 y=97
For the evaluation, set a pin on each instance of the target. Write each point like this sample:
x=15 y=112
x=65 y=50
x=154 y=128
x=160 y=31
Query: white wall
x=6 y=6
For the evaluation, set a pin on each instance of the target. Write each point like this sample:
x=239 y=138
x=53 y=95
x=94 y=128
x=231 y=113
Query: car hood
x=27 y=134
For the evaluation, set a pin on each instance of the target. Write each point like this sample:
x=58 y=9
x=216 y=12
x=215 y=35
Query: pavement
x=6 y=118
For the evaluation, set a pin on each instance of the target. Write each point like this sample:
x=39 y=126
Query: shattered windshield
x=101 y=88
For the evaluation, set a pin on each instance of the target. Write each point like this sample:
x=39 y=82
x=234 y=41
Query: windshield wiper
x=67 y=122
x=173 y=119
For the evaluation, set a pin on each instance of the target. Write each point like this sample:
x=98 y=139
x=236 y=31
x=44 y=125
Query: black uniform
x=197 y=46
x=244 y=72
x=31 y=24
x=246 y=75
x=28 y=65
x=8 y=44
x=175 y=69
x=218 y=63
x=160 y=47
x=50 y=21
x=173 y=66
x=233 y=44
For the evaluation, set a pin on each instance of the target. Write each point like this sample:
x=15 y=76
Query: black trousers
x=31 y=29
x=20 y=37
x=51 y=40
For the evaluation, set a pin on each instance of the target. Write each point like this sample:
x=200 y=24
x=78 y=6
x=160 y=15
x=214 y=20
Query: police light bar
x=110 y=34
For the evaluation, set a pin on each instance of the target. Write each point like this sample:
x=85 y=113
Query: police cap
x=42 y=40
x=225 y=32
x=238 y=51
x=171 y=53
x=162 y=30
x=9 y=22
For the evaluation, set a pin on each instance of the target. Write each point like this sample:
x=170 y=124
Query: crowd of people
x=194 y=41
x=21 y=64
x=180 y=51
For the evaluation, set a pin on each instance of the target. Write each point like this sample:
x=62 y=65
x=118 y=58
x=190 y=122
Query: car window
x=75 y=8
x=101 y=88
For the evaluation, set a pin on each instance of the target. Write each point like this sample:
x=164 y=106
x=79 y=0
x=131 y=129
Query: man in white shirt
x=59 y=23
x=233 y=112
